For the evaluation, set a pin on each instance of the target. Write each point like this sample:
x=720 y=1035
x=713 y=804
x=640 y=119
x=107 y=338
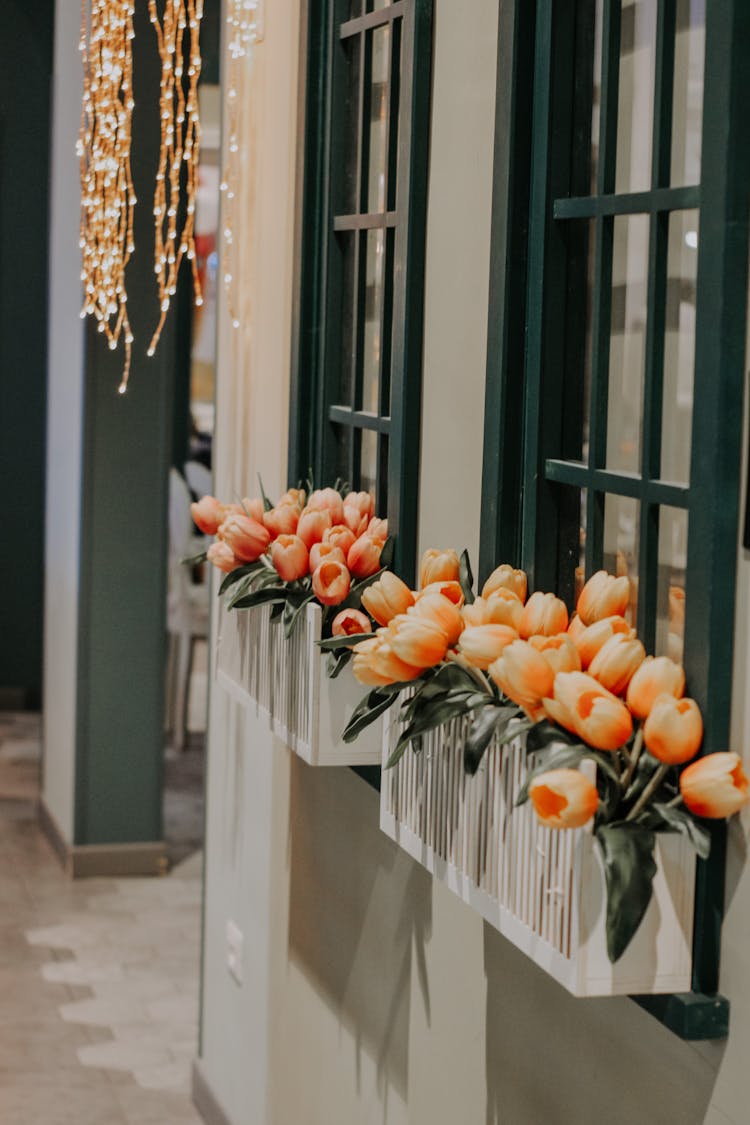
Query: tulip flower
x=580 y=704
x=715 y=786
x=222 y=557
x=543 y=613
x=506 y=577
x=358 y=511
x=207 y=514
x=281 y=520
x=481 y=645
x=559 y=652
x=673 y=731
x=656 y=675
x=293 y=496
x=320 y=551
x=387 y=598
x=603 y=596
x=417 y=641
x=590 y=639
x=289 y=556
x=450 y=590
x=563 y=798
x=250 y=506
x=575 y=628
x=438 y=566
x=501 y=608
x=350 y=623
x=327 y=500
x=443 y=613
x=364 y=556
x=523 y=674
x=377 y=529
x=339 y=536
x=376 y=664
x=363 y=667
x=247 y=538
x=312 y=525
x=616 y=662
x=331 y=582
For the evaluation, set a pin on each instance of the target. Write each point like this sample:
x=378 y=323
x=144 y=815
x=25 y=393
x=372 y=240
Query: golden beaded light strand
x=107 y=196
x=180 y=144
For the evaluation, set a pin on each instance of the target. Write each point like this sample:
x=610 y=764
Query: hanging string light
x=180 y=145
x=244 y=20
x=107 y=196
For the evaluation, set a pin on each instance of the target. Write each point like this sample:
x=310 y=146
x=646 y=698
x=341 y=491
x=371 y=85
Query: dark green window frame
x=533 y=473
x=329 y=418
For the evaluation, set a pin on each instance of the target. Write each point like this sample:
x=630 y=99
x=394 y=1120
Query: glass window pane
x=621 y=514
x=627 y=342
x=687 y=103
x=373 y=312
x=346 y=141
x=679 y=346
x=379 y=65
x=368 y=478
x=670 y=620
x=635 y=112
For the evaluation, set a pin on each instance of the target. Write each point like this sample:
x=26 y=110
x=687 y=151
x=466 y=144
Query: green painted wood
x=361 y=419
x=628 y=203
x=394 y=11
x=690 y=1015
x=617 y=484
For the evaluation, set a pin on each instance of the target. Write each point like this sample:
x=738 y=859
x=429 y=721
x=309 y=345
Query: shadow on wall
x=554 y=1058
x=356 y=906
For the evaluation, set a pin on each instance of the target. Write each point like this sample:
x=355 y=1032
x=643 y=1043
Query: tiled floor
x=98 y=978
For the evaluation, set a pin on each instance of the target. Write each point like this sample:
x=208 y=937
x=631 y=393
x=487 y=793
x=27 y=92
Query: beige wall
x=371 y=994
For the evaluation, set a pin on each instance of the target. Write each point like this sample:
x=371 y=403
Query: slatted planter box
x=542 y=889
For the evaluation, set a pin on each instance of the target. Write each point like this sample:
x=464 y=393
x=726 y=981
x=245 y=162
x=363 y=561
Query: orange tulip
x=289 y=556
x=523 y=674
x=362 y=501
x=377 y=529
x=247 y=538
x=656 y=675
x=501 y=608
x=320 y=551
x=327 y=500
x=481 y=645
x=673 y=731
x=506 y=577
x=313 y=523
x=387 y=597
x=331 y=582
x=559 y=652
x=575 y=628
x=438 y=566
x=715 y=786
x=616 y=662
x=603 y=596
x=583 y=706
x=443 y=613
x=543 y=613
x=358 y=511
x=364 y=556
x=376 y=664
x=207 y=514
x=349 y=623
x=450 y=590
x=281 y=520
x=563 y=798
x=222 y=557
x=590 y=639
x=339 y=536
x=293 y=496
x=417 y=641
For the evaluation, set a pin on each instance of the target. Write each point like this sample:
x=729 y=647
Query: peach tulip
x=387 y=597
x=450 y=590
x=580 y=704
x=481 y=645
x=575 y=628
x=443 y=613
x=327 y=500
x=559 y=652
x=331 y=582
x=251 y=506
x=438 y=566
x=320 y=551
x=313 y=523
x=207 y=513
x=506 y=577
x=246 y=537
x=377 y=529
x=589 y=639
x=501 y=608
x=417 y=641
x=364 y=556
x=359 y=509
x=603 y=596
x=656 y=675
x=715 y=786
x=673 y=731
x=289 y=556
x=293 y=496
x=523 y=674
x=617 y=661
x=563 y=798
x=376 y=664
x=350 y=623
x=222 y=557
x=281 y=520
x=543 y=613
x=339 y=536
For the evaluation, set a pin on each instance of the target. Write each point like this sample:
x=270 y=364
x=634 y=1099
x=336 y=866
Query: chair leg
x=182 y=687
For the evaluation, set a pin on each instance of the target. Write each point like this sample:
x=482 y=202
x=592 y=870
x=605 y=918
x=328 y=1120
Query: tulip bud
x=483 y=644
x=582 y=705
x=603 y=596
x=363 y=664
x=377 y=529
x=559 y=652
x=523 y=674
x=417 y=641
x=450 y=590
x=501 y=608
x=616 y=662
x=250 y=506
x=362 y=502
x=331 y=582
x=327 y=500
x=376 y=664
x=563 y=798
x=350 y=623
x=543 y=613
x=312 y=525
x=575 y=628
x=438 y=566
x=207 y=514
x=222 y=557
x=673 y=731
x=443 y=613
x=355 y=521
x=387 y=598
x=281 y=520
x=289 y=556
x=364 y=556
x=589 y=640
x=320 y=551
x=715 y=786
x=339 y=536
x=247 y=538
x=506 y=577
x=293 y=496
x=656 y=675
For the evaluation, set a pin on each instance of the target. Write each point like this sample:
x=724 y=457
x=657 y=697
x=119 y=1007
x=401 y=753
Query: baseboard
x=81 y=861
x=205 y=1100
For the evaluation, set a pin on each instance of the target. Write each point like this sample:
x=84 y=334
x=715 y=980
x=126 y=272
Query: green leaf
x=480 y=735
x=629 y=869
x=544 y=734
x=438 y=712
x=267 y=505
x=367 y=711
x=680 y=820
x=194 y=560
x=259 y=597
x=336 y=661
x=466 y=578
x=386 y=555
x=237 y=575
x=291 y=617
x=335 y=644
x=277 y=611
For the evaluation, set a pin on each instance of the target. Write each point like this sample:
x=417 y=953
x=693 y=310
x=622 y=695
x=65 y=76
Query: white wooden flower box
x=542 y=889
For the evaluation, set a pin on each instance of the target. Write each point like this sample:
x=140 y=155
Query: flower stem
x=674 y=802
x=648 y=792
x=467 y=667
x=634 y=756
